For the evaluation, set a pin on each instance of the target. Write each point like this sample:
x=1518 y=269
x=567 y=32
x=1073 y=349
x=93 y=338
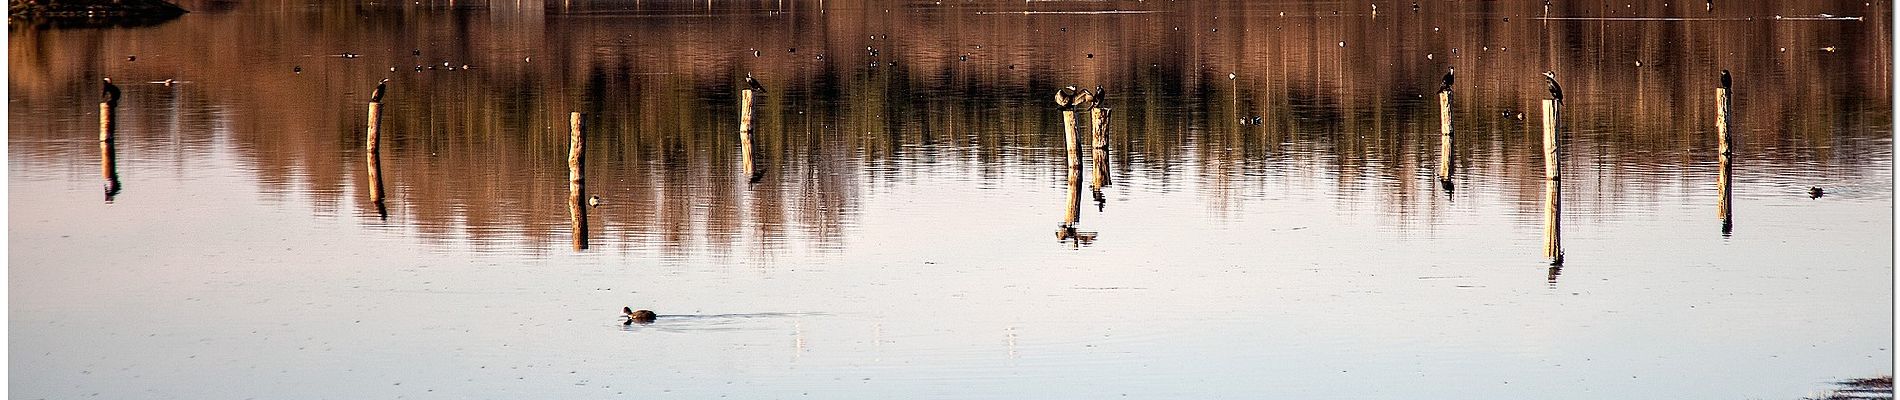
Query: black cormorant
x=1556 y=92
x=1446 y=87
x=381 y=87
x=1100 y=95
x=1815 y=192
x=110 y=94
x=131 y=58
x=753 y=84
x=1727 y=82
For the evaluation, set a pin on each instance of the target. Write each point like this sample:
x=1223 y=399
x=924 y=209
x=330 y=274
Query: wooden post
x=1099 y=151
x=1725 y=153
x=372 y=154
x=1444 y=139
x=108 y=125
x=108 y=151
x=745 y=135
x=576 y=187
x=1074 y=213
x=1069 y=139
x=1553 y=198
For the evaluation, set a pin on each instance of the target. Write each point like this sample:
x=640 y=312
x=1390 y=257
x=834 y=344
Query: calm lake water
x=903 y=239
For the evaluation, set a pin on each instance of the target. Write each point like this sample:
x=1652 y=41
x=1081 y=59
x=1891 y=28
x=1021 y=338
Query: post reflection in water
x=1315 y=147
x=109 y=168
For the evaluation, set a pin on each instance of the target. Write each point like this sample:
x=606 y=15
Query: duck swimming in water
x=638 y=316
x=1815 y=192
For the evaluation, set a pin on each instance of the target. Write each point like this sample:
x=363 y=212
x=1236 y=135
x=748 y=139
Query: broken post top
x=1070 y=97
x=377 y=95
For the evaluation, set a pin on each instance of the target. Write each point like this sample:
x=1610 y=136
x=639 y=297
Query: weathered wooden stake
x=1725 y=153
x=373 y=155
x=1069 y=139
x=745 y=135
x=108 y=124
x=1074 y=214
x=576 y=186
x=1444 y=139
x=1553 y=197
x=1099 y=151
x=108 y=151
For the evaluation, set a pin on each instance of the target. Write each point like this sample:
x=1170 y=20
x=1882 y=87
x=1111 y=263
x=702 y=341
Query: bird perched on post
x=1099 y=96
x=753 y=84
x=1446 y=87
x=381 y=87
x=1726 y=81
x=110 y=94
x=1556 y=92
x=1066 y=98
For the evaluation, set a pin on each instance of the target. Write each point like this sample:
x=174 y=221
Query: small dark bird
x=1446 y=87
x=1091 y=55
x=131 y=58
x=381 y=87
x=1065 y=98
x=110 y=94
x=1100 y=95
x=1815 y=192
x=753 y=84
x=792 y=50
x=1726 y=81
x=1556 y=92
x=418 y=68
x=416 y=52
x=1414 y=6
x=638 y=316
x=964 y=57
x=755 y=52
x=593 y=201
x=296 y=69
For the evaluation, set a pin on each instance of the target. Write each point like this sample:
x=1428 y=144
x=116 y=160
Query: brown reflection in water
x=109 y=168
x=479 y=149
